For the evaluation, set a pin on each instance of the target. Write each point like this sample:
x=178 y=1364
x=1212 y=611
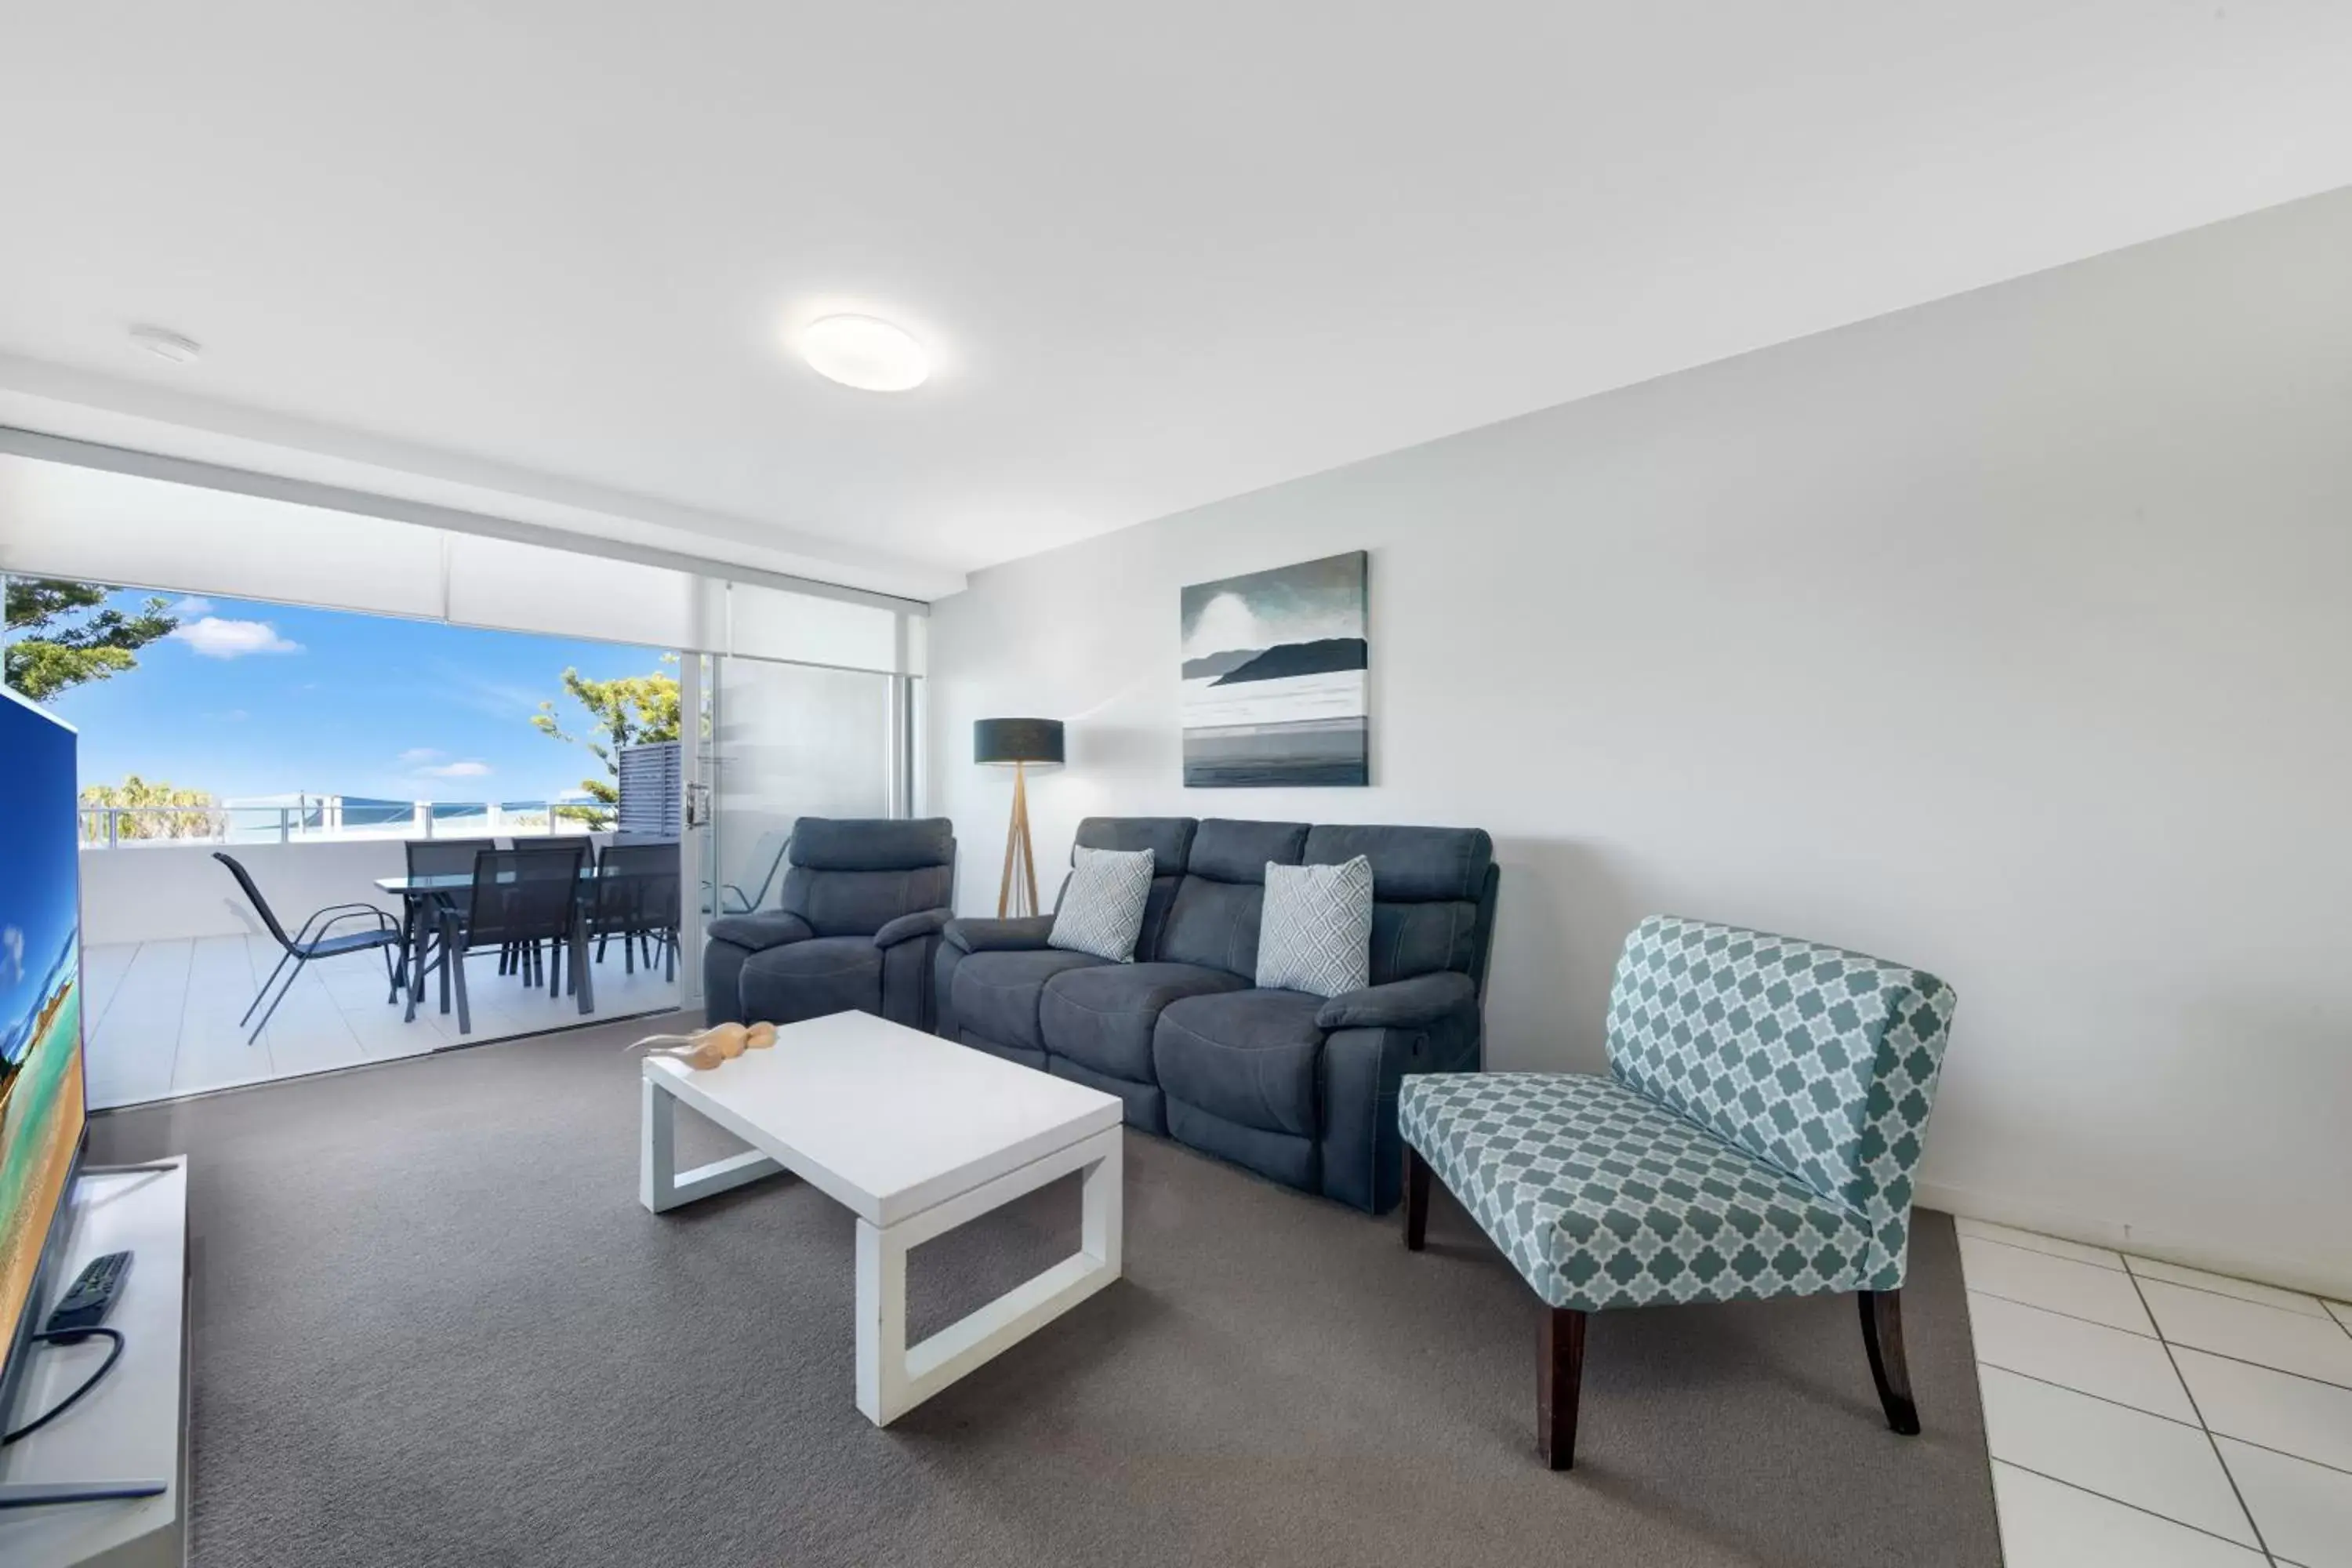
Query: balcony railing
x=116 y=826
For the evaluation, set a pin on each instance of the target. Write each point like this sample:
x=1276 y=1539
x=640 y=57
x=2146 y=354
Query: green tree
x=629 y=710
x=132 y=821
x=54 y=644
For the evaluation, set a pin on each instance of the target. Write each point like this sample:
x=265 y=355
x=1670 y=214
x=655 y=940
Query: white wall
x=2009 y=637
x=153 y=891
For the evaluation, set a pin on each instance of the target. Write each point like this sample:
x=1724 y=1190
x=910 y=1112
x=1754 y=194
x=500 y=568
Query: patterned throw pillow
x=1317 y=933
x=1102 y=909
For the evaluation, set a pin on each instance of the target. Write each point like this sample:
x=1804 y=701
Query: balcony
x=321 y=818
x=173 y=953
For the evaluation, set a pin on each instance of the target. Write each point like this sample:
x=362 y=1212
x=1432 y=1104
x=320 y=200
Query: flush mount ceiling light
x=166 y=345
x=861 y=352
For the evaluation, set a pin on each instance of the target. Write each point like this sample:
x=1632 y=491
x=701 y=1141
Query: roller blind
x=60 y=520
x=530 y=588
x=63 y=520
x=770 y=622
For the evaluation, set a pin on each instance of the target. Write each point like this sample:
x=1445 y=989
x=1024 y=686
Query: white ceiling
x=543 y=252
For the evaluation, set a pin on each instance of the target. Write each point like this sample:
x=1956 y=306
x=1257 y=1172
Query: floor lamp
x=1020 y=742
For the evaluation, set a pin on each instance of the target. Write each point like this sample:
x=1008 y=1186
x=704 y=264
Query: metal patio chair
x=439 y=858
x=525 y=897
x=767 y=851
x=635 y=897
x=529 y=961
x=312 y=942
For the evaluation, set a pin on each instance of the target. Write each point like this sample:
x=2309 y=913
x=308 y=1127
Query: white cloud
x=465 y=770
x=417 y=756
x=193 y=604
x=217 y=639
x=12 y=954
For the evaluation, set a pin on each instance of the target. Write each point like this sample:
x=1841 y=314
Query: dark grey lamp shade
x=1016 y=740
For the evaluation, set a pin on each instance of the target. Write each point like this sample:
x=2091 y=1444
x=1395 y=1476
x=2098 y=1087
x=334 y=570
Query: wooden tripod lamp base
x=1019 y=741
x=1016 y=893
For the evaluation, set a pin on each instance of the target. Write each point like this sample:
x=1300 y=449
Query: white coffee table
x=916 y=1136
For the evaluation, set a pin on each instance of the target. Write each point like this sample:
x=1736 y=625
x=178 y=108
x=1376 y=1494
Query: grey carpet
x=432 y=1325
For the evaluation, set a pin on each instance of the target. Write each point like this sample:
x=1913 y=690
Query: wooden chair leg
x=1882 y=1336
x=1560 y=1376
x=1416 y=1198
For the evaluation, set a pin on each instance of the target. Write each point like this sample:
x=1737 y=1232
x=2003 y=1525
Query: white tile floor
x=162 y=1016
x=2142 y=1413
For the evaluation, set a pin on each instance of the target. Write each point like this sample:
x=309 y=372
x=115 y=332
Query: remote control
x=92 y=1297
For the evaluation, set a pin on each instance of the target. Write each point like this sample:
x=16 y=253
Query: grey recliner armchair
x=854 y=929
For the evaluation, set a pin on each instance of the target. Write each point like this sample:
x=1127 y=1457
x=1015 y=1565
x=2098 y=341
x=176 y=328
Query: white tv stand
x=132 y=1428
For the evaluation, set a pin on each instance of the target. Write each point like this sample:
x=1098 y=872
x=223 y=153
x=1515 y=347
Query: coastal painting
x=1275 y=667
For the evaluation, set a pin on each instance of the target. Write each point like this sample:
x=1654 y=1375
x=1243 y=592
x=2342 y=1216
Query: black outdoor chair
x=635 y=897
x=525 y=844
x=439 y=858
x=527 y=898
x=311 y=942
x=766 y=859
x=530 y=963
x=444 y=857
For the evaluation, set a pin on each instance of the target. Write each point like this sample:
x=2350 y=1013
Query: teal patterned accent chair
x=1757 y=1135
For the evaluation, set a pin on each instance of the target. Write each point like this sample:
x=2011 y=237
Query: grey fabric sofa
x=1301 y=1089
x=854 y=929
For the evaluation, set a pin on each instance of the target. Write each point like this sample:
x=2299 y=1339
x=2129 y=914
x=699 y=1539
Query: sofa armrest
x=771 y=928
x=905 y=928
x=992 y=936
x=1401 y=1003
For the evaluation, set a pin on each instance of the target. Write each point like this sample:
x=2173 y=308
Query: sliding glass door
x=789 y=741
x=336 y=693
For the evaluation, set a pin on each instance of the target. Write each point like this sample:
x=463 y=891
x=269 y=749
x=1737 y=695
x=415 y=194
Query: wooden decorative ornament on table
x=707 y=1050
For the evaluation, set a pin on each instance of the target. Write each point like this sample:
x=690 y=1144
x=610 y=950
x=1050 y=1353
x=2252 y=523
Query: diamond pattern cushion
x=1103 y=904
x=1603 y=1198
x=1819 y=1062
x=1315 y=934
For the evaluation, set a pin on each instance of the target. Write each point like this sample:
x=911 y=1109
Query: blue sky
x=250 y=699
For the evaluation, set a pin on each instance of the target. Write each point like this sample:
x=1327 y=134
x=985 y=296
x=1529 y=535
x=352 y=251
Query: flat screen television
x=42 y=1110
